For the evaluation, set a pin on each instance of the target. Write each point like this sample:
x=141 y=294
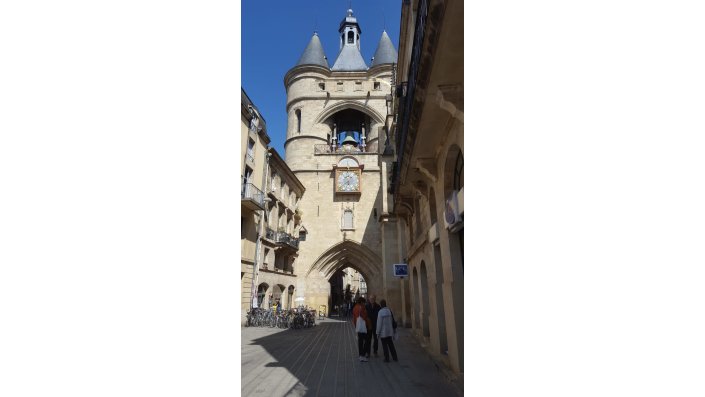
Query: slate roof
x=349 y=59
x=314 y=54
x=385 y=53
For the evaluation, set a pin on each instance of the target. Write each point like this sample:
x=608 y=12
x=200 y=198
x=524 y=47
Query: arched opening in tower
x=350 y=127
x=346 y=285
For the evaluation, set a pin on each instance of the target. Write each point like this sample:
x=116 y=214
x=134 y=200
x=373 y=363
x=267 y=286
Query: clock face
x=348 y=181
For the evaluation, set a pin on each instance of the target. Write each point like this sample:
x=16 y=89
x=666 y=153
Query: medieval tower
x=335 y=144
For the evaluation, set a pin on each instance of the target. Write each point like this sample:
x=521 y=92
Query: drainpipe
x=258 y=244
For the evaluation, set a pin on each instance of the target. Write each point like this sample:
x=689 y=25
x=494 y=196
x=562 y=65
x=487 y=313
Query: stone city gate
x=315 y=287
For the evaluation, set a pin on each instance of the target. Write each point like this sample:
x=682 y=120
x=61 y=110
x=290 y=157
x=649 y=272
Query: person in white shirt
x=386 y=327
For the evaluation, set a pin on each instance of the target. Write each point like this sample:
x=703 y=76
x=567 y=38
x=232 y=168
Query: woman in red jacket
x=362 y=341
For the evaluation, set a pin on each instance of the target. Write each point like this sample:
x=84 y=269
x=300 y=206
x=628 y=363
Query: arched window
x=458 y=173
x=261 y=293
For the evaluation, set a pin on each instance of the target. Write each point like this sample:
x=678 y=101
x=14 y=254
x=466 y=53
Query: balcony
x=252 y=197
x=282 y=239
x=326 y=149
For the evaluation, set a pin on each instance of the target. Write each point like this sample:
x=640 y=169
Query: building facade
x=336 y=135
x=427 y=177
x=270 y=222
x=277 y=274
x=253 y=155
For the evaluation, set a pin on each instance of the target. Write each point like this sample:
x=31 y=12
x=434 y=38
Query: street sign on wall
x=401 y=270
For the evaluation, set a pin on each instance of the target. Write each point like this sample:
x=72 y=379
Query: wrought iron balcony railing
x=328 y=149
x=252 y=193
x=282 y=238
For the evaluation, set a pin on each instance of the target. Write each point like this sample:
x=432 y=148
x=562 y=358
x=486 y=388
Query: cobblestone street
x=323 y=361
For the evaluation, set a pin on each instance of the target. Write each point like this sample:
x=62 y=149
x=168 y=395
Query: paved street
x=323 y=361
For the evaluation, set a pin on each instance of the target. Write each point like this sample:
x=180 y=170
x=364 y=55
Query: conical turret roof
x=314 y=54
x=385 y=53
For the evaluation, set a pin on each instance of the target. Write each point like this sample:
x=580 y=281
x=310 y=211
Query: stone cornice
x=293 y=138
x=299 y=72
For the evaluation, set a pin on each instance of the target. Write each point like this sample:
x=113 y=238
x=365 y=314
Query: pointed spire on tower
x=385 y=53
x=314 y=54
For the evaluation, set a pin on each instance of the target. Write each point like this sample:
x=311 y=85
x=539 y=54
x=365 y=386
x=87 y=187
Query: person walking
x=362 y=324
x=372 y=308
x=386 y=326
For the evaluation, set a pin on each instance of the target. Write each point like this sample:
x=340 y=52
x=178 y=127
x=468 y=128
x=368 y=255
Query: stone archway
x=371 y=113
x=353 y=254
x=345 y=254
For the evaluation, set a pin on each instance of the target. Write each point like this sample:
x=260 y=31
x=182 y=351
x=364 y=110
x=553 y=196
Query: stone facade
x=277 y=273
x=428 y=178
x=271 y=222
x=323 y=105
x=253 y=155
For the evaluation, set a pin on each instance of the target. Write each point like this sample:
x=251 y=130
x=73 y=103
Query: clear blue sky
x=275 y=34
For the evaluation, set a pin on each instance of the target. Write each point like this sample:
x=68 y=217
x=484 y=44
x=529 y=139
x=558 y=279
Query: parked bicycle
x=297 y=318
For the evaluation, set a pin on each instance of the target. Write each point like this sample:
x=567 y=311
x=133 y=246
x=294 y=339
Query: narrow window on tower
x=347 y=220
x=351 y=37
x=298 y=120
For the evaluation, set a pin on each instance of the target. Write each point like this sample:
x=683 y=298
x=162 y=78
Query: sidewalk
x=323 y=361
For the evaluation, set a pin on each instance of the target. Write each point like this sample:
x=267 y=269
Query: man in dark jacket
x=372 y=308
